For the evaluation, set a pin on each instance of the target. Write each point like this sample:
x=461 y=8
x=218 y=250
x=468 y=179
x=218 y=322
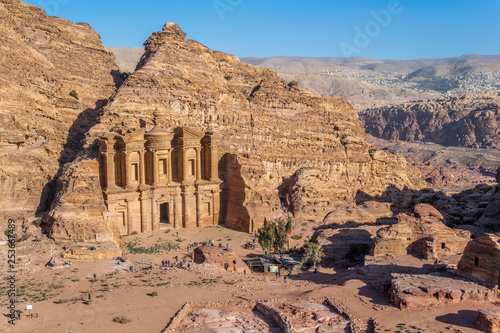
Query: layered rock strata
x=220 y=257
x=42 y=60
x=470 y=120
x=269 y=132
x=423 y=291
x=420 y=233
x=481 y=259
x=488 y=320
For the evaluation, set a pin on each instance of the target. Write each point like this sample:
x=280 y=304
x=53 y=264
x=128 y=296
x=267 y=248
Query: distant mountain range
x=425 y=67
x=367 y=82
x=127 y=57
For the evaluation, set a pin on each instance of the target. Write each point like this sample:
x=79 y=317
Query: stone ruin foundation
x=276 y=316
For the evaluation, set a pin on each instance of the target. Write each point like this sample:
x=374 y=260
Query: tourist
x=142 y=260
x=89 y=297
x=277 y=275
x=95 y=276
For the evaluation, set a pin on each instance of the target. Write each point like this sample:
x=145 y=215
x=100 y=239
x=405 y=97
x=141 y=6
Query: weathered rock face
x=267 y=131
x=481 y=259
x=93 y=223
x=42 y=60
x=220 y=257
x=420 y=233
x=370 y=212
x=423 y=291
x=488 y=319
x=345 y=247
x=470 y=120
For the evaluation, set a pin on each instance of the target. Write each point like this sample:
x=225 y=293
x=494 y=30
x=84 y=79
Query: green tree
x=74 y=94
x=273 y=237
x=288 y=226
x=313 y=252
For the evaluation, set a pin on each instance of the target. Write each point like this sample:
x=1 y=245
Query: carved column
x=177 y=210
x=184 y=165
x=155 y=224
x=214 y=163
x=198 y=163
x=153 y=210
x=129 y=228
x=198 y=208
x=110 y=170
x=169 y=167
x=126 y=169
x=144 y=215
x=142 y=169
x=184 y=210
x=155 y=167
x=212 y=212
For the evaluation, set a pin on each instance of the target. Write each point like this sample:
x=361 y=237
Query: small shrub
x=24 y=237
x=66 y=166
x=122 y=320
x=297 y=237
x=85 y=157
x=94 y=147
x=38 y=222
x=36 y=239
x=154 y=294
x=179 y=240
x=228 y=77
x=134 y=232
x=304 y=224
x=74 y=94
x=88 y=302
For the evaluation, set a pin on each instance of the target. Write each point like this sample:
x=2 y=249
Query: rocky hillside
x=471 y=120
x=370 y=83
x=271 y=135
x=42 y=60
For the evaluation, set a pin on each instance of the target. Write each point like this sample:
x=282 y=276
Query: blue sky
x=383 y=29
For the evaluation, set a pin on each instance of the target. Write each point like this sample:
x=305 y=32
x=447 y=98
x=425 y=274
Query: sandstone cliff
x=470 y=120
x=420 y=233
x=481 y=259
x=270 y=134
x=42 y=60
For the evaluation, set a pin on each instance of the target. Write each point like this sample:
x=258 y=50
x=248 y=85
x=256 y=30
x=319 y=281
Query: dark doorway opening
x=164 y=213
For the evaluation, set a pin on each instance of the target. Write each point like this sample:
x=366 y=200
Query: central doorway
x=164 y=213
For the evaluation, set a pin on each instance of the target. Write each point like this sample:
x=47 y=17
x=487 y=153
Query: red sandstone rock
x=488 y=319
x=481 y=259
x=420 y=233
x=220 y=257
x=421 y=291
x=43 y=59
x=268 y=132
x=470 y=120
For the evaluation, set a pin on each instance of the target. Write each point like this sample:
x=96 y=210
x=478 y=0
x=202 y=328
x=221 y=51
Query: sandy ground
x=63 y=293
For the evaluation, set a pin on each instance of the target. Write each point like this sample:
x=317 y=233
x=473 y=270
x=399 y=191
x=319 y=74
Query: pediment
x=188 y=133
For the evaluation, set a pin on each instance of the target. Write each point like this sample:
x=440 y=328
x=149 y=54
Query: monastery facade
x=160 y=179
